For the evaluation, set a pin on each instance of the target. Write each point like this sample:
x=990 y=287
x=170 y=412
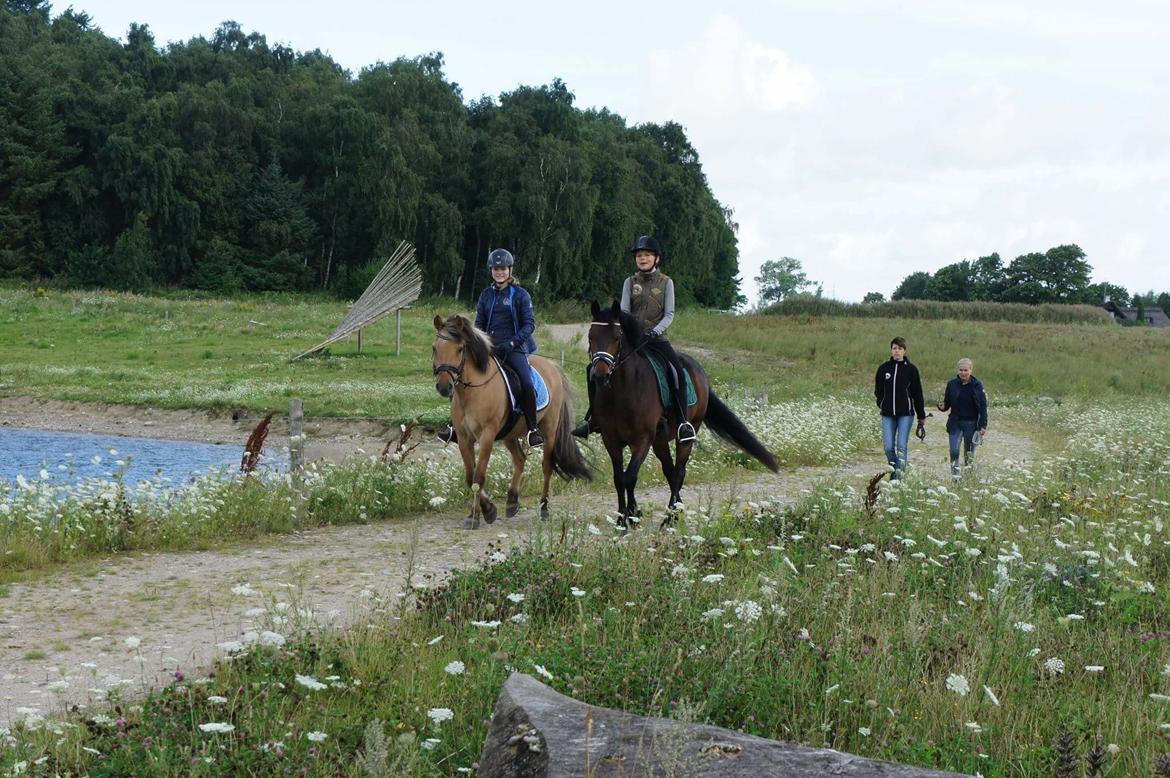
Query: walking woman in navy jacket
x=967 y=402
x=897 y=387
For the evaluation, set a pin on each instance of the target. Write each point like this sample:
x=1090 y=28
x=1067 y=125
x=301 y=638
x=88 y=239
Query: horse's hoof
x=544 y=511
x=489 y=513
x=513 y=509
x=470 y=523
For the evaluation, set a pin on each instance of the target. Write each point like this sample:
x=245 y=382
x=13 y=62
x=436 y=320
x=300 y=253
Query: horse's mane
x=459 y=328
x=631 y=328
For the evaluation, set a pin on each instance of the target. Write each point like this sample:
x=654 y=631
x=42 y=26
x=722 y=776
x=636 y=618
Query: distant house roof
x=1154 y=316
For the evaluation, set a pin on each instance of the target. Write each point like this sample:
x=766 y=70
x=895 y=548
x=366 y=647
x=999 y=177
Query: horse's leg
x=682 y=454
x=480 y=502
x=638 y=454
x=513 y=446
x=662 y=451
x=467 y=452
x=616 y=451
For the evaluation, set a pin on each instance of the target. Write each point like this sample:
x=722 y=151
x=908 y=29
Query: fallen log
x=539 y=733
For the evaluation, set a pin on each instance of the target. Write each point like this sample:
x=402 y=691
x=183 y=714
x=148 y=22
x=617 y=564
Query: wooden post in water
x=296 y=438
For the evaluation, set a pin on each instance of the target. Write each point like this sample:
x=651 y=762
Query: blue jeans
x=964 y=432
x=896 y=441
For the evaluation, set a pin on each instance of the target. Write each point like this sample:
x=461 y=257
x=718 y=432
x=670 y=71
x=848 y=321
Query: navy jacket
x=522 y=325
x=971 y=407
x=898 y=389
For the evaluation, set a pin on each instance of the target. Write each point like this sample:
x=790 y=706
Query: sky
x=869 y=139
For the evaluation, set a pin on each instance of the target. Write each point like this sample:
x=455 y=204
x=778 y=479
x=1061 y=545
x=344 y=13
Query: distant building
x=1155 y=316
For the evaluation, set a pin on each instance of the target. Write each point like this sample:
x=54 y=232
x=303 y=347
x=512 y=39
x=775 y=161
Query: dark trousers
x=525 y=392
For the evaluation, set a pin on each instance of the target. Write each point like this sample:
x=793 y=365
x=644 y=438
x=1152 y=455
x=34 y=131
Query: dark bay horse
x=628 y=411
x=466 y=373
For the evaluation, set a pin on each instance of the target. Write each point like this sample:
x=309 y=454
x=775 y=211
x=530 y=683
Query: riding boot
x=588 y=425
x=686 y=431
x=447 y=435
x=528 y=406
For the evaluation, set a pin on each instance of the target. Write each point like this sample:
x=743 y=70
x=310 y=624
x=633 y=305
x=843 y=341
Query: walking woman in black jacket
x=897 y=388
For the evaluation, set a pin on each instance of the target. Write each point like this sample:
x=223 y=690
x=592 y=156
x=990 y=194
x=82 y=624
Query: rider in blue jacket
x=504 y=312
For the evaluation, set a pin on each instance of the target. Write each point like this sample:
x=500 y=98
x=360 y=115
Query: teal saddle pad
x=664 y=385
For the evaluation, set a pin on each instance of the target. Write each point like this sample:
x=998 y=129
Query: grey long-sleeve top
x=667 y=304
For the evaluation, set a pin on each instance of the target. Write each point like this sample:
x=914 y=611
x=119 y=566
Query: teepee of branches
x=397 y=285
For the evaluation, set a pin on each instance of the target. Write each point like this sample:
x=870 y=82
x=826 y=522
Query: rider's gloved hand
x=652 y=336
x=503 y=350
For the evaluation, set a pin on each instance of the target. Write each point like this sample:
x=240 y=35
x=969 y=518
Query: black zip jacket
x=898 y=389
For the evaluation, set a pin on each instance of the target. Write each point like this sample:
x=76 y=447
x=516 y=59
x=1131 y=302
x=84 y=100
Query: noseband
x=604 y=356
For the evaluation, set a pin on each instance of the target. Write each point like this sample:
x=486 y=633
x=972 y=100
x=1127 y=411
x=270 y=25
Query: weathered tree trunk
x=536 y=732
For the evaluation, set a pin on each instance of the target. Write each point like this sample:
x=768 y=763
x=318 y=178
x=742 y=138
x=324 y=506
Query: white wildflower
x=455 y=668
x=439 y=715
x=958 y=684
x=309 y=682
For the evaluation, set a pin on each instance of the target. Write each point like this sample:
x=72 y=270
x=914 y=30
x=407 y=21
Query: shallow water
x=69 y=457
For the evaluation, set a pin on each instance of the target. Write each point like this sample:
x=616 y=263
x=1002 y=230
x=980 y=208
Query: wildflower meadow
x=966 y=626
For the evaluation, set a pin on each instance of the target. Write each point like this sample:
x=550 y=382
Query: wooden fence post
x=398 y=333
x=296 y=438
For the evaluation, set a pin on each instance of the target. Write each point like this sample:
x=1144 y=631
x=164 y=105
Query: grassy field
x=961 y=626
x=220 y=354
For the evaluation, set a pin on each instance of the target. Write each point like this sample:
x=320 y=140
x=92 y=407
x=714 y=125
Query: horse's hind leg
x=682 y=456
x=517 y=453
x=662 y=451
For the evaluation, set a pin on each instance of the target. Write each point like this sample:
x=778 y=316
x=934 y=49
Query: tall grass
x=936 y=309
x=959 y=626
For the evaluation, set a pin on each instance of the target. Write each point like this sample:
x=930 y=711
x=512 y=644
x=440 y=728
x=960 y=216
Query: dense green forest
x=1059 y=275
x=229 y=163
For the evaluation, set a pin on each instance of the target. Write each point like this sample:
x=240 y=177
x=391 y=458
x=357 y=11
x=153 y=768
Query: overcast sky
x=867 y=138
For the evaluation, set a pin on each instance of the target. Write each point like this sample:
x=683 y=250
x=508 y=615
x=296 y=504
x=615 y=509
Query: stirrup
x=582 y=430
x=535 y=439
x=686 y=432
x=446 y=435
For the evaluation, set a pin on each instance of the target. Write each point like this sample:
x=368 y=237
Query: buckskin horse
x=481 y=413
x=629 y=412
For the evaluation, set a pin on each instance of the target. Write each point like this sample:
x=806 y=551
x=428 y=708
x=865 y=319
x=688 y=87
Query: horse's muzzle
x=445 y=388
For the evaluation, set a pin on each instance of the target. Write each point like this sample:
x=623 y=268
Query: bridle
x=456 y=371
x=614 y=361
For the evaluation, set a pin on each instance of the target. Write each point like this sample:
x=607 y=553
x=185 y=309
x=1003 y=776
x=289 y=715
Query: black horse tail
x=727 y=425
x=567 y=460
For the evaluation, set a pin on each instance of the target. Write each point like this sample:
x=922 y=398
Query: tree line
x=232 y=164
x=1059 y=275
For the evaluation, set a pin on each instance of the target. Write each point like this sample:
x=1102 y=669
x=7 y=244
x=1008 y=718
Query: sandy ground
x=63 y=635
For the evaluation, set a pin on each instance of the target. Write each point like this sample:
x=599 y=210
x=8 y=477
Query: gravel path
x=63 y=638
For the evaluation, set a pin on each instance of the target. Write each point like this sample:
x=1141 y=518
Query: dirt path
x=63 y=639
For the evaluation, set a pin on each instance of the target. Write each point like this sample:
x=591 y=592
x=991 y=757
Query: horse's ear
x=617 y=310
x=460 y=323
x=595 y=310
x=438 y=322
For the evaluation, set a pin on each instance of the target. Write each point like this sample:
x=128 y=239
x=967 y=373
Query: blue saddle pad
x=664 y=385
x=537 y=383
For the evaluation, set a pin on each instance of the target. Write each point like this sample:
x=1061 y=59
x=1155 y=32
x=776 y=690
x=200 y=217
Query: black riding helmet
x=648 y=243
x=500 y=258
